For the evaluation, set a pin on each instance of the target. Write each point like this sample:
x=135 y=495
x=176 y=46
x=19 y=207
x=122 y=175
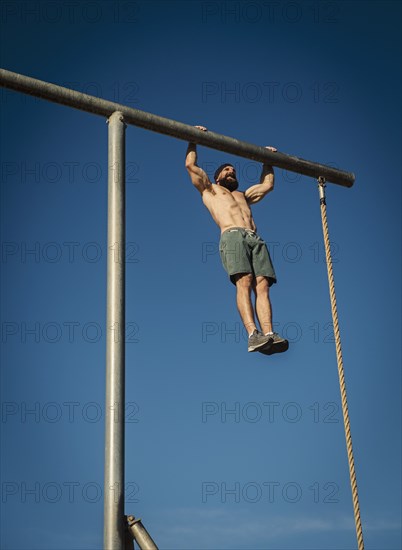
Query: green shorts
x=243 y=251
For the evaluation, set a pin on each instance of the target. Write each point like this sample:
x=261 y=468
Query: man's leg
x=244 y=283
x=264 y=315
x=263 y=303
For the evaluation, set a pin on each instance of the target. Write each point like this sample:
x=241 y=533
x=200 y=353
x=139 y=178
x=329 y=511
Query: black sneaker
x=278 y=345
x=257 y=340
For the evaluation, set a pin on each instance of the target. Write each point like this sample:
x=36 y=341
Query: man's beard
x=231 y=184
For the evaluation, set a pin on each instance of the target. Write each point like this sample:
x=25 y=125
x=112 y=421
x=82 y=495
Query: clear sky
x=224 y=449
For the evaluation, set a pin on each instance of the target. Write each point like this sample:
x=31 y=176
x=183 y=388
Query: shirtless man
x=244 y=254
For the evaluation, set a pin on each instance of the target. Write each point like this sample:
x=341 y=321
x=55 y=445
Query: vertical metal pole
x=114 y=519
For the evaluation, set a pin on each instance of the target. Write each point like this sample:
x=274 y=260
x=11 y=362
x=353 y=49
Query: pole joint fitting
x=117 y=115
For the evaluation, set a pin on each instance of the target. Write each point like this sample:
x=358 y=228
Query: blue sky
x=224 y=449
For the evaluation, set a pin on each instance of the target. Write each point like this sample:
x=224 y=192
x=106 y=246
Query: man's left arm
x=257 y=192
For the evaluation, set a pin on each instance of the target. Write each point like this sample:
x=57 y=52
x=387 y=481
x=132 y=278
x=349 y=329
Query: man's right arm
x=198 y=177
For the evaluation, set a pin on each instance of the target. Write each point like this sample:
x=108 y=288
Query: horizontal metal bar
x=98 y=106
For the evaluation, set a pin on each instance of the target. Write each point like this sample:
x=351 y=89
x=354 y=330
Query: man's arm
x=198 y=177
x=257 y=192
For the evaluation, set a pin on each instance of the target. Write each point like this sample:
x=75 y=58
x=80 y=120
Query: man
x=244 y=254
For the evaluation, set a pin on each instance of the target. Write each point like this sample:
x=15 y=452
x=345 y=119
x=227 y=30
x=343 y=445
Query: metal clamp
x=321 y=189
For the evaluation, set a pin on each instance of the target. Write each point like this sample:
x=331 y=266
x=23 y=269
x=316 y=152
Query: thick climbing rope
x=348 y=436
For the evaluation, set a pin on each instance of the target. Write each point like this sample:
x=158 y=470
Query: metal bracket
x=140 y=534
x=321 y=189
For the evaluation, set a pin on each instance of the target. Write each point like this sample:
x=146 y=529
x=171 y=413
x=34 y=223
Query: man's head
x=225 y=175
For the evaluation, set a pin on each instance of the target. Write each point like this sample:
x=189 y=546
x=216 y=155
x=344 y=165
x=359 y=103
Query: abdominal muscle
x=228 y=209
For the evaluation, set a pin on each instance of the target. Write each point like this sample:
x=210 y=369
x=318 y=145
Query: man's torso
x=228 y=209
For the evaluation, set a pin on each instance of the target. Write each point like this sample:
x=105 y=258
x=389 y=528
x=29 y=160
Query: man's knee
x=262 y=284
x=244 y=280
